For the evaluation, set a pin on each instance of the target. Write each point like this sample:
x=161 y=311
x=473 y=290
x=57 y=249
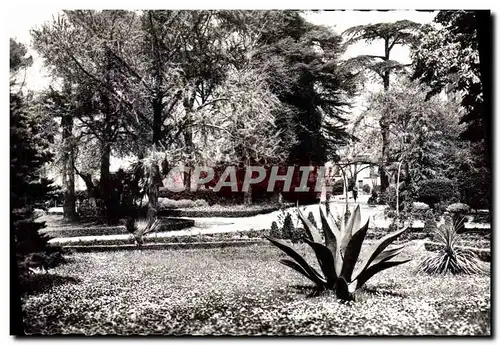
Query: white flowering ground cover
x=245 y=291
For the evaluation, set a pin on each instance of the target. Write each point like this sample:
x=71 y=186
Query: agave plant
x=451 y=258
x=338 y=257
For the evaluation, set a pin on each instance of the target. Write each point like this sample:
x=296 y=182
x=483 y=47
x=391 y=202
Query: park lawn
x=245 y=291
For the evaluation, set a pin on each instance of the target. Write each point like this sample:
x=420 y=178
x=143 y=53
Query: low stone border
x=168 y=246
x=55 y=212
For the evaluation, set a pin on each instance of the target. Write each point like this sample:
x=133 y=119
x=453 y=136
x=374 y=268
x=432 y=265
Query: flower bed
x=233 y=211
x=245 y=291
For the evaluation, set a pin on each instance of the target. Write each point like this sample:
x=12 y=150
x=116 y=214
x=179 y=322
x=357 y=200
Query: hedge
x=434 y=191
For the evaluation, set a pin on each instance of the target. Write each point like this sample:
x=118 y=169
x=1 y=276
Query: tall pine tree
x=29 y=152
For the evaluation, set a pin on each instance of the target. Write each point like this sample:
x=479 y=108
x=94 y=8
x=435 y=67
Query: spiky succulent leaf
x=353 y=224
x=311 y=230
x=332 y=239
x=326 y=262
x=387 y=254
x=379 y=247
x=294 y=265
x=376 y=268
x=352 y=252
x=332 y=233
x=316 y=277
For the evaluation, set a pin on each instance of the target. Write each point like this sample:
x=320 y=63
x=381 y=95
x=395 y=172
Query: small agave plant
x=338 y=257
x=139 y=228
x=451 y=258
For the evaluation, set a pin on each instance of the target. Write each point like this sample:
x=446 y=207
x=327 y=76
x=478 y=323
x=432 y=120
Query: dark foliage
x=28 y=154
x=275 y=230
x=470 y=31
x=338 y=186
x=123 y=200
x=289 y=230
x=311 y=218
x=434 y=191
x=366 y=189
x=313 y=84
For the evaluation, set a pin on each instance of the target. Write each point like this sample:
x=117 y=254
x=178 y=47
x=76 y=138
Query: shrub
x=366 y=189
x=288 y=224
x=475 y=187
x=451 y=258
x=389 y=197
x=275 y=231
x=88 y=209
x=200 y=203
x=419 y=210
x=420 y=206
x=434 y=191
x=458 y=208
x=289 y=231
x=166 y=203
x=390 y=213
x=338 y=186
x=339 y=255
x=311 y=218
x=430 y=224
x=208 y=195
x=374 y=199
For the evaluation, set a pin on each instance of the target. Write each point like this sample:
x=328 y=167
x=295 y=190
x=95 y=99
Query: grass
x=245 y=291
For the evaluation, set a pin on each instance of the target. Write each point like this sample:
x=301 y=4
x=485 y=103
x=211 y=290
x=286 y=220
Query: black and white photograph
x=237 y=172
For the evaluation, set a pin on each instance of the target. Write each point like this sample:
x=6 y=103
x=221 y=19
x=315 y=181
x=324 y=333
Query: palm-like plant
x=339 y=256
x=451 y=258
x=139 y=228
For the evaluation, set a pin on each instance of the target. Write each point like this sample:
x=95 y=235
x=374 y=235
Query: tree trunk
x=485 y=42
x=157 y=102
x=68 y=177
x=109 y=124
x=157 y=123
x=154 y=184
x=387 y=72
x=346 y=184
x=384 y=128
x=248 y=196
x=105 y=190
x=188 y=137
x=384 y=178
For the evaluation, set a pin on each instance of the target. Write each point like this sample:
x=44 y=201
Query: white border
x=9 y=12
